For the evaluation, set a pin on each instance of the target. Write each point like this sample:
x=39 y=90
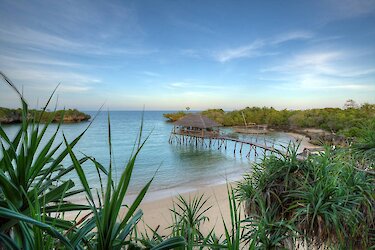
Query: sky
x=172 y=54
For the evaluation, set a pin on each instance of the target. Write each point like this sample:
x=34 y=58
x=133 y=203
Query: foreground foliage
x=34 y=192
x=324 y=200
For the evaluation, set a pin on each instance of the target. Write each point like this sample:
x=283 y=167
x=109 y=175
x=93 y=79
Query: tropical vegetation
x=9 y=116
x=325 y=200
x=346 y=121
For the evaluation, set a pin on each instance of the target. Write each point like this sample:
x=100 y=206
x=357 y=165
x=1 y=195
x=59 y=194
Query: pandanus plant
x=106 y=228
x=33 y=193
x=34 y=188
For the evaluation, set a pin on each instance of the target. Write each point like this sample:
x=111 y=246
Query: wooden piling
x=209 y=140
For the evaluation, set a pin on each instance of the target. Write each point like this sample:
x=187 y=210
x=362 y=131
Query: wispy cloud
x=295 y=35
x=366 y=87
x=250 y=50
x=190 y=25
x=344 y=9
x=316 y=83
x=150 y=74
x=322 y=70
x=330 y=63
x=64 y=88
x=28 y=60
x=255 y=48
x=43 y=79
x=32 y=39
x=317 y=61
x=192 y=85
x=194 y=53
x=312 y=81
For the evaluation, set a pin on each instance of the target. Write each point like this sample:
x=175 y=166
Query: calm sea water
x=174 y=166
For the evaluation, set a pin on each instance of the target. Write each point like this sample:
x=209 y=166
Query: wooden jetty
x=198 y=130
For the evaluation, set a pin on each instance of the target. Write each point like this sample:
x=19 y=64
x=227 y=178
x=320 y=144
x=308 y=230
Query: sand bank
x=304 y=140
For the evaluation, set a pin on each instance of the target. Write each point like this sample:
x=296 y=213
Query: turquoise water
x=177 y=166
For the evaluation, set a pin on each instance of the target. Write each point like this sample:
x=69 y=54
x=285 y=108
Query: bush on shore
x=346 y=122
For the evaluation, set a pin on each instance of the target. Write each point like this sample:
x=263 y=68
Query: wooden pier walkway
x=200 y=131
x=212 y=139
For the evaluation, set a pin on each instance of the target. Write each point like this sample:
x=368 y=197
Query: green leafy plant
x=188 y=216
x=321 y=200
x=34 y=192
x=363 y=147
x=31 y=173
x=233 y=233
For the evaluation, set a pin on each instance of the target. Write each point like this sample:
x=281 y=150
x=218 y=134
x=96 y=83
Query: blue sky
x=167 y=55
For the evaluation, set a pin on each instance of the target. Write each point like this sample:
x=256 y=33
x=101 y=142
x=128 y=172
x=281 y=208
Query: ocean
x=175 y=167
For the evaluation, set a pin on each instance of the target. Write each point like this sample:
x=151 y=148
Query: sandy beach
x=157 y=213
x=304 y=140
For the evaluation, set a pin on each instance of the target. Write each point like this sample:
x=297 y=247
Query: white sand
x=157 y=213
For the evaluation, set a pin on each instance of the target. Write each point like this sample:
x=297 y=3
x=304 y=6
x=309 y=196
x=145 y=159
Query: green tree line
x=15 y=115
x=342 y=121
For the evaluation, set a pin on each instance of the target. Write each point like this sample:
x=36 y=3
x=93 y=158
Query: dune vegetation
x=324 y=200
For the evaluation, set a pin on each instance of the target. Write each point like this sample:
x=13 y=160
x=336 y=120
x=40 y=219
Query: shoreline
x=156 y=209
x=305 y=141
x=155 y=195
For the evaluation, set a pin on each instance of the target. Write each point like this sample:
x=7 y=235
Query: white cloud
x=353 y=72
x=255 y=48
x=191 y=53
x=334 y=63
x=322 y=70
x=29 y=60
x=311 y=81
x=317 y=82
x=192 y=26
x=308 y=61
x=32 y=39
x=295 y=35
x=344 y=9
x=43 y=79
x=178 y=84
x=23 y=35
x=150 y=73
x=249 y=50
x=192 y=86
x=73 y=89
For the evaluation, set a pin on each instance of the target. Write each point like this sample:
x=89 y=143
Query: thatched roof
x=196 y=121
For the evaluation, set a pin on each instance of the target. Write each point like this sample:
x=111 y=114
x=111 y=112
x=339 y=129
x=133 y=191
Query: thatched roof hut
x=196 y=121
